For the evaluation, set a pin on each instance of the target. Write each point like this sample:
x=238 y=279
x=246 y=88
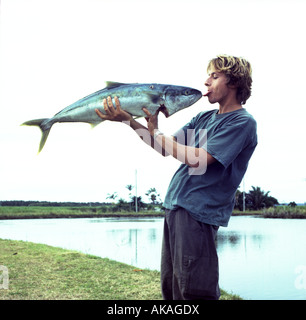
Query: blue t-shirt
x=231 y=139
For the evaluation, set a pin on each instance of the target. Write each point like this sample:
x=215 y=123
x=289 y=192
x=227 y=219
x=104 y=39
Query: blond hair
x=238 y=72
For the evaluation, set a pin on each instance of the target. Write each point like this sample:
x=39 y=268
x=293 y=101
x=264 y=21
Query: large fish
x=133 y=97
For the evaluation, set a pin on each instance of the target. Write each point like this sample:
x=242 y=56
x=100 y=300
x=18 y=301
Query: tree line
x=23 y=203
x=254 y=199
x=115 y=202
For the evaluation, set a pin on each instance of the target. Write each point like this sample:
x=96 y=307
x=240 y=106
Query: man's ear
x=230 y=83
x=232 y=86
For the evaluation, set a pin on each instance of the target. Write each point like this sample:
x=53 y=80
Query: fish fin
x=154 y=97
x=45 y=130
x=112 y=84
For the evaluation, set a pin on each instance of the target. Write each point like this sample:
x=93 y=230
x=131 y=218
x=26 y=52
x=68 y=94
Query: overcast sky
x=56 y=52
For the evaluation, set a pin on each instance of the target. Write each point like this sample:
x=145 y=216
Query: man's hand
x=113 y=114
x=152 y=120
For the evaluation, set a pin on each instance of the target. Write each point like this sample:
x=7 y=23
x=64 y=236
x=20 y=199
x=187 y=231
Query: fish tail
x=45 y=128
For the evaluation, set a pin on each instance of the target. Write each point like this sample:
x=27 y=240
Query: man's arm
x=192 y=156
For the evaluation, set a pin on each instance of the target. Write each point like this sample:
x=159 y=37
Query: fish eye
x=187 y=92
x=151 y=86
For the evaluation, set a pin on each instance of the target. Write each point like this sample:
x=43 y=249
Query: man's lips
x=206 y=94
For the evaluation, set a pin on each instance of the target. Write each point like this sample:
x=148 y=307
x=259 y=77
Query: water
x=259 y=258
x=263 y=258
x=133 y=241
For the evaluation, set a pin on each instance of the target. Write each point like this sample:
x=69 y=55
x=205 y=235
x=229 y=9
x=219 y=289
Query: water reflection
x=260 y=263
x=129 y=246
x=230 y=238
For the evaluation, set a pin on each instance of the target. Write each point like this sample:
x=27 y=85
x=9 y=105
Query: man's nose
x=207 y=83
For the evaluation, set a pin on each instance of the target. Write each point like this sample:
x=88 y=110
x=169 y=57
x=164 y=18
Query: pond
x=259 y=258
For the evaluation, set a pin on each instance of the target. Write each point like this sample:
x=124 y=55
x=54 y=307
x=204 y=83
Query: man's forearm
x=135 y=125
x=185 y=154
x=192 y=156
x=145 y=136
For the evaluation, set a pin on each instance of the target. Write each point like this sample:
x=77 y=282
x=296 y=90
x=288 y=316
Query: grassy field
x=41 y=272
x=32 y=212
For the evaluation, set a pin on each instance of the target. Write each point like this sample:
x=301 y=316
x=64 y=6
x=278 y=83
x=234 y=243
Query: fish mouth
x=164 y=110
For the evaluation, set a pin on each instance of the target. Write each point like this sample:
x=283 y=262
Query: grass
x=35 y=212
x=32 y=212
x=286 y=212
x=41 y=272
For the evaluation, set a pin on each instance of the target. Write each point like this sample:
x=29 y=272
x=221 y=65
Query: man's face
x=217 y=88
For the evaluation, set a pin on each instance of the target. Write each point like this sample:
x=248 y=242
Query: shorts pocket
x=200 y=277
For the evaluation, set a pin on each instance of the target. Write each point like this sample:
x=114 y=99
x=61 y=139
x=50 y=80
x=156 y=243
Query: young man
x=199 y=202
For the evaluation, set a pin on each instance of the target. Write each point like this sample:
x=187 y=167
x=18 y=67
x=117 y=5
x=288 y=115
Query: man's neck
x=229 y=106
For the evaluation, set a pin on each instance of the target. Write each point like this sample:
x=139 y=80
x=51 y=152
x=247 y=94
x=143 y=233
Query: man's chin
x=211 y=101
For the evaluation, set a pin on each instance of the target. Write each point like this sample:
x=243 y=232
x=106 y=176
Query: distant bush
x=22 y=203
x=286 y=212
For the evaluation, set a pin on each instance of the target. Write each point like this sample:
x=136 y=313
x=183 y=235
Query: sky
x=56 y=52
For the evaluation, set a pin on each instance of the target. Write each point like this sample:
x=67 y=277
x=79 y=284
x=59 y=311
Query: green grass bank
x=36 y=212
x=285 y=212
x=41 y=272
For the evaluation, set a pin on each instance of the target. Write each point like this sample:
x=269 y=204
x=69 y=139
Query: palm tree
x=129 y=187
x=257 y=198
x=112 y=196
x=140 y=204
x=152 y=194
x=260 y=199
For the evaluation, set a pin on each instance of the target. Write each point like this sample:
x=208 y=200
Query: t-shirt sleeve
x=227 y=142
x=181 y=134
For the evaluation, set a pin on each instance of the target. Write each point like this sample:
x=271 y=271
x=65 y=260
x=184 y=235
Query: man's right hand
x=152 y=120
x=113 y=114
